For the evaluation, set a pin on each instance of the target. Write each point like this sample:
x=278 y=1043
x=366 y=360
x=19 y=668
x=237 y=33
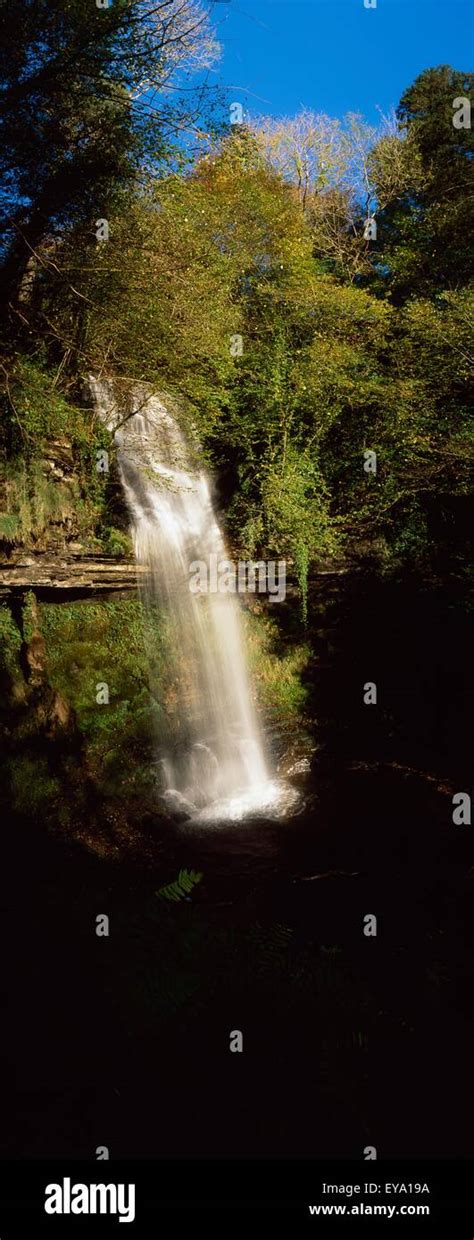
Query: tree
x=226 y=251
x=426 y=220
x=328 y=162
x=85 y=104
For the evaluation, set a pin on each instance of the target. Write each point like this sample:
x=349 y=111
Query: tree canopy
x=245 y=284
x=89 y=101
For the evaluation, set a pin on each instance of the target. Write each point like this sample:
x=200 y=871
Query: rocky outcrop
x=75 y=574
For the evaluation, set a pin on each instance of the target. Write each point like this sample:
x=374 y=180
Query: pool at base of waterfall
x=273 y=799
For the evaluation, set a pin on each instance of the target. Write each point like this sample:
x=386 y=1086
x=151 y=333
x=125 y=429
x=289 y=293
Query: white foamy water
x=214 y=767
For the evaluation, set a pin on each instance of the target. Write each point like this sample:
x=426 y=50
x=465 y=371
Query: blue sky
x=335 y=56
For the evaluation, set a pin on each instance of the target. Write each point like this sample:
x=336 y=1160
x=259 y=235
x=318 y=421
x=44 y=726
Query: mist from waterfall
x=213 y=765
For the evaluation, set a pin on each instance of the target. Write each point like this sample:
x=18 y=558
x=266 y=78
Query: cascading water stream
x=215 y=766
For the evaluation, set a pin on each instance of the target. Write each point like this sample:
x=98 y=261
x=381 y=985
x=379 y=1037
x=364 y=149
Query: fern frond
x=182 y=886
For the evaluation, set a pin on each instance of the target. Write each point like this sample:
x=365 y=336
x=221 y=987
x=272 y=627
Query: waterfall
x=213 y=765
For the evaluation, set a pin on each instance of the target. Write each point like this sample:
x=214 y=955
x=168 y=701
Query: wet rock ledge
x=71 y=575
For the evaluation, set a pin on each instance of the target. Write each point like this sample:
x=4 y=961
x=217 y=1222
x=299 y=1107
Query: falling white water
x=215 y=768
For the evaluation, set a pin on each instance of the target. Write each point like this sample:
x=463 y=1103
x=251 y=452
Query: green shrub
x=276 y=670
x=116 y=542
x=33 y=788
x=10 y=640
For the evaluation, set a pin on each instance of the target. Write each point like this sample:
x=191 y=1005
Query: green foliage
x=93 y=643
x=10 y=640
x=9 y=527
x=426 y=225
x=35 y=410
x=29 y=615
x=48 y=476
x=72 y=134
x=32 y=786
x=182 y=886
x=411 y=541
x=36 y=504
x=295 y=507
x=116 y=542
x=277 y=668
x=270 y=947
x=338 y=355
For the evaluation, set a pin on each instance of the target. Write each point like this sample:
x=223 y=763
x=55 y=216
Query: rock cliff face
x=63 y=523
x=71 y=573
x=57 y=553
x=63 y=540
